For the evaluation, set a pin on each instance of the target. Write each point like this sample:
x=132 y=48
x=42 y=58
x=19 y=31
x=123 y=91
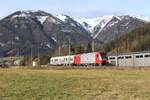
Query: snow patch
x=16 y=26
x=126 y=24
x=2 y=44
x=64 y=18
x=54 y=39
x=48 y=45
x=118 y=18
x=17 y=38
x=67 y=31
x=143 y=18
x=25 y=15
x=112 y=24
x=105 y=20
x=11 y=51
x=61 y=17
x=73 y=25
x=41 y=19
x=93 y=22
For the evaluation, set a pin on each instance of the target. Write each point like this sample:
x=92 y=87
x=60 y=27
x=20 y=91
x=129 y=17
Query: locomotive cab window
x=104 y=56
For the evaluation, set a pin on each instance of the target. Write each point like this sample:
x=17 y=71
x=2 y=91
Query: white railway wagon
x=112 y=60
x=89 y=58
x=63 y=60
x=147 y=59
x=136 y=59
x=142 y=59
x=125 y=60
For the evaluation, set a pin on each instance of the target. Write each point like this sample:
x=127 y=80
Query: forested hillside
x=136 y=40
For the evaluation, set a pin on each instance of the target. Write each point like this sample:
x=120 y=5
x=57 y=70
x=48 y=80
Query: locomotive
x=93 y=58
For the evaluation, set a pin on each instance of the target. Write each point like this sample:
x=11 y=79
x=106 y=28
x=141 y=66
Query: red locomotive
x=94 y=58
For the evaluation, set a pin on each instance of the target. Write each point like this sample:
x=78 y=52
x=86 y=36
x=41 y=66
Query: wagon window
x=121 y=57
x=112 y=58
x=139 y=56
x=147 y=56
x=56 y=60
x=128 y=57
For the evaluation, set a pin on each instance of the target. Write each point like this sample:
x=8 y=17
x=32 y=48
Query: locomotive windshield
x=104 y=56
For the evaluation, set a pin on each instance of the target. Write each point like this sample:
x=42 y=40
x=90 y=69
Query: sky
x=78 y=8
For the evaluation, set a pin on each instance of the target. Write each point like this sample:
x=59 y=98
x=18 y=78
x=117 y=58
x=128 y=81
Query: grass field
x=102 y=84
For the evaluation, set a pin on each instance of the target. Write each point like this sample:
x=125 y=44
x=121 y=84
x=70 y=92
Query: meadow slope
x=102 y=84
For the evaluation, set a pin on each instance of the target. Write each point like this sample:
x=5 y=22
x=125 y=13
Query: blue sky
x=86 y=8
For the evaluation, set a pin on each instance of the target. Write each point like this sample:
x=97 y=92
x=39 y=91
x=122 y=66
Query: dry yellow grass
x=28 y=84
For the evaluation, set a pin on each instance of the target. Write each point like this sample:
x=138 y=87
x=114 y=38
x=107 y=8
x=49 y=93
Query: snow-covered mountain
x=91 y=23
x=23 y=29
x=116 y=27
x=144 y=18
x=101 y=27
x=98 y=24
x=88 y=23
x=69 y=20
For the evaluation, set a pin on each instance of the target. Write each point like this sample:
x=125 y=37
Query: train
x=92 y=58
x=132 y=59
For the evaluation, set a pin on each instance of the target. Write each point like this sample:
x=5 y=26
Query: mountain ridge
x=39 y=29
x=46 y=32
x=97 y=26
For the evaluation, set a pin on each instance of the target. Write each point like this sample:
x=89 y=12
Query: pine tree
x=88 y=48
x=79 y=49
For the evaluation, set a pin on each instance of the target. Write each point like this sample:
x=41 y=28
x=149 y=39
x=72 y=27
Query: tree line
x=134 y=41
